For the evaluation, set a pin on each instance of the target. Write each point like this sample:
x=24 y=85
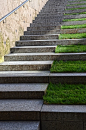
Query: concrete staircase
x=24 y=75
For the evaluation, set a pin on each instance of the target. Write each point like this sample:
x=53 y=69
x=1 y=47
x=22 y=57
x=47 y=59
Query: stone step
x=23 y=91
x=45 y=56
x=20 y=110
x=75 y=11
x=46 y=24
x=53 y=9
x=47 y=20
x=25 y=65
x=74 y=22
x=43 y=28
x=76 y=6
x=50 y=15
x=63 y=117
x=32 y=49
x=19 y=125
x=71 y=31
x=74 y=16
x=50 y=42
x=41 y=32
x=39 y=37
x=37 y=77
x=24 y=77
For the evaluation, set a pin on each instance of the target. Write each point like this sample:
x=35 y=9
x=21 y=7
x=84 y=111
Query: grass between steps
x=76 y=8
x=72 y=36
x=68 y=20
x=75 y=13
x=70 y=48
x=65 y=94
x=76 y=4
x=73 y=26
x=68 y=66
x=76 y=1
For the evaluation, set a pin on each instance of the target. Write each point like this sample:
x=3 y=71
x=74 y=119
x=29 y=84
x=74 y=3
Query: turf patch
x=73 y=26
x=65 y=94
x=68 y=66
x=67 y=20
x=70 y=48
x=72 y=36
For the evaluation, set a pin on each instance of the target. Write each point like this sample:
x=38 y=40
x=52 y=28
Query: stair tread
x=23 y=87
x=19 y=125
x=34 y=46
x=20 y=105
x=26 y=62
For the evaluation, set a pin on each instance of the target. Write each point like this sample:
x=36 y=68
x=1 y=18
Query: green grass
x=72 y=36
x=76 y=8
x=70 y=48
x=75 y=13
x=65 y=94
x=80 y=19
x=76 y=4
x=73 y=26
x=68 y=66
x=76 y=1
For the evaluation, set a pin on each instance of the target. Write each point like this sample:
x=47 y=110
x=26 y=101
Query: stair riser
x=43 y=28
x=41 y=32
x=74 y=22
x=75 y=11
x=46 y=57
x=47 y=20
x=71 y=31
x=75 y=6
x=38 y=37
x=32 y=50
x=54 y=78
x=25 y=67
x=19 y=116
x=78 y=2
x=48 y=43
x=21 y=95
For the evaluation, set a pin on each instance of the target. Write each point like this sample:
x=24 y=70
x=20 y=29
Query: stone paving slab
x=23 y=91
x=32 y=49
x=19 y=125
x=20 y=109
x=50 y=42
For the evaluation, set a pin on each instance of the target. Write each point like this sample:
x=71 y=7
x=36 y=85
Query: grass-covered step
x=76 y=2
x=73 y=26
x=65 y=94
x=74 y=22
x=68 y=66
x=75 y=11
x=76 y=7
x=73 y=31
x=72 y=36
x=79 y=19
x=70 y=48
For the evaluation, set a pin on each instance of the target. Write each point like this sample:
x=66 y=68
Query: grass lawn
x=70 y=48
x=72 y=36
x=65 y=94
x=73 y=26
x=67 y=20
x=68 y=66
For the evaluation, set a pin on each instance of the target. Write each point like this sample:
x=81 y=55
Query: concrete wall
x=16 y=23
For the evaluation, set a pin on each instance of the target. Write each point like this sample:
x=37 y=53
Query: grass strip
x=76 y=8
x=73 y=26
x=76 y=1
x=80 y=19
x=72 y=36
x=70 y=48
x=68 y=66
x=67 y=94
x=75 y=13
x=76 y=4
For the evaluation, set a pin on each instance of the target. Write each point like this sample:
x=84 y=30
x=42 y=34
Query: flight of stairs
x=24 y=75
